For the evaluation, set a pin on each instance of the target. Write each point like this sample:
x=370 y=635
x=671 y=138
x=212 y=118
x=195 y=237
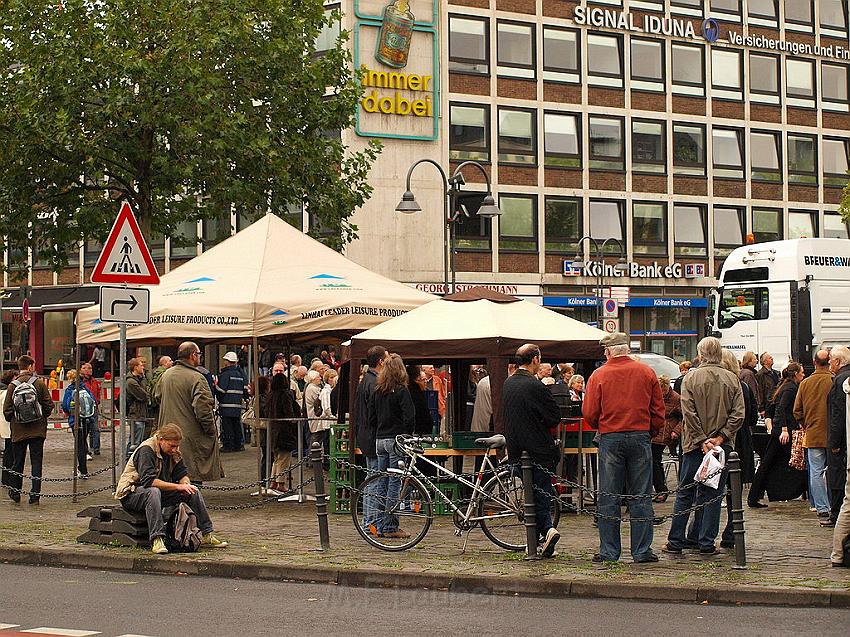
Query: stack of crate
x=341 y=475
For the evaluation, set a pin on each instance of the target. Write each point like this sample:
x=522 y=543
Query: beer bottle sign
x=396 y=33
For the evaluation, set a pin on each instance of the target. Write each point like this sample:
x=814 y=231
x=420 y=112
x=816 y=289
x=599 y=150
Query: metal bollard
x=528 y=509
x=736 y=487
x=321 y=496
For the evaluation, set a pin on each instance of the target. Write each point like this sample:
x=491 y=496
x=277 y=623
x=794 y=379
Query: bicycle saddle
x=493 y=442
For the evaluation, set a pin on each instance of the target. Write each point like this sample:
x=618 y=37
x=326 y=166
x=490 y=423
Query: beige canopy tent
x=267 y=280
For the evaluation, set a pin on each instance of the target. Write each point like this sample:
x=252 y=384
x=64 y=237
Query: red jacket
x=94 y=387
x=624 y=395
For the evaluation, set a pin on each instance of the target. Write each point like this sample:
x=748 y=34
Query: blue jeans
x=818 y=494
x=543 y=492
x=137 y=436
x=387 y=488
x=370 y=512
x=625 y=458
x=709 y=521
x=94 y=435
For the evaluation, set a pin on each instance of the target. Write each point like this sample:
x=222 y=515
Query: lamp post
x=451 y=190
x=620 y=267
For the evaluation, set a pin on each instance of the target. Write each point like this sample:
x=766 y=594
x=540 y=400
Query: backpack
x=25 y=401
x=182 y=534
x=87 y=404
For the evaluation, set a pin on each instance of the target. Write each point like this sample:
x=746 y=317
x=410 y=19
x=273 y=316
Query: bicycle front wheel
x=388 y=522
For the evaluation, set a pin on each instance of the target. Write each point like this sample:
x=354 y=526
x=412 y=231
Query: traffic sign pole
x=122 y=365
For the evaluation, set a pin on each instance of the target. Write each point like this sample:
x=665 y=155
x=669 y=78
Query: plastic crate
x=452 y=490
x=587 y=439
x=339 y=441
x=340 y=500
x=466 y=439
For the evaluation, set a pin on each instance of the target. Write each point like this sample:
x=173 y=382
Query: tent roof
x=267 y=280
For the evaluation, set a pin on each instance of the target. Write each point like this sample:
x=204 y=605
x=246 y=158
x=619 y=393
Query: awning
x=52 y=299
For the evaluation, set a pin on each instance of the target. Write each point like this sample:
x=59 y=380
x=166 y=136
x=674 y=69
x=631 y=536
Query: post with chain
x=528 y=512
x=737 y=510
x=321 y=496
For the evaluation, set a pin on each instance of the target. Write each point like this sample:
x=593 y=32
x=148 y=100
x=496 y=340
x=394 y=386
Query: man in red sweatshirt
x=623 y=401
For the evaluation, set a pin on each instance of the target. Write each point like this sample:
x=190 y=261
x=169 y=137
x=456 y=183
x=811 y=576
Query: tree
x=184 y=108
x=844 y=207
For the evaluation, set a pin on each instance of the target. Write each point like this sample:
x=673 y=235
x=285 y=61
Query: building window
x=800 y=80
x=469 y=132
x=184 y=241
x=471 y=231
x=834 y=86
x=518 y=223
x=648 y=147
x=798 y=14
x=688 y=149
x=726 y=9
x=726 y=74
x=517 y=143
x=649 y=228
x=765 y=157
x=802 y=159
x=767 y=224
x=688 y=70
x=607 y=220
x=647 y=65
x=58 y=338
x=687 y=7
x=802 y=224
x=833 y=17
x=515 y=49
x=728 y=152
x=764 y=78
x=329 y=35
x=834 y=227
x=763 y=12
x=215 y=230
x=561 y=55
x=835 y=152
x=563 y=224
x=469 y=45
x=728 y=230
x=606 y=143
x=649 y=5
x=561 y=135
x=689 y=230
x=604 y=60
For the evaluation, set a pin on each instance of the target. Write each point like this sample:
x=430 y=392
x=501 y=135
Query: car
x=661 y=365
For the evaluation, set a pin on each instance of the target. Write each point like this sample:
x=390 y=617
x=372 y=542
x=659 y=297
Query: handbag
x=798 y=453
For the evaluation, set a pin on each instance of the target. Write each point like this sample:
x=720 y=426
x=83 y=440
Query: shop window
x=729 y=10
x=647 y=59
x=743 y=304
x=765 y=157
x=689 y=233
x=833 y=18
x=58 y=338
x=728 y=152
x=764 y=78
x=561 y=61
x=215 y=229
x=726 y=72
x=184 y=241
x=604 y=60
x=802 y=159
x=688 y=70
x=518 y=223
x=515 y=49
x=471 y=231
x=834 y=86
x=607 y=220
x=517 y=143
x=469 y=45
x=802 y=224
x=563 y=221
x=728 y=230
x=469 y=132
x=767 y=224
x=834 y=227
x=835 y=153
x=649 y=228
x=329 y=35
x=606 y=143
x=561 y=140
x=763 y=12
x=687 y=7
x=800 y=82
x=688 y=150
x=798 y=14
x=648 y=147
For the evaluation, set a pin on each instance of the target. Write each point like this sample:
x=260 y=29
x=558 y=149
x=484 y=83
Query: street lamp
x=621 y=267
x=451 y=190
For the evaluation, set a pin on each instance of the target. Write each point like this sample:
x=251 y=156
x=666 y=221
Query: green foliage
x=184 y=108
x=844 y=207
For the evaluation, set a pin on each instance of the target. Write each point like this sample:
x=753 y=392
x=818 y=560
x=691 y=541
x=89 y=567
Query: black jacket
x=280 y=403
x=784 y=414
x=836 y=411
x=231 y=390
x=364 y=435
x=529 y=412
x=423 y=423
x=391 y=414
x=767 y=380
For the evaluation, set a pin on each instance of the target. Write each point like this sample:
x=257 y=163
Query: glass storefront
x=669 y=331
x=15 y=338
x=58 y=338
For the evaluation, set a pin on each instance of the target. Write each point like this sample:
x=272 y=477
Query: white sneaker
x=89 y=456
x=547 y=549
x=82 y=476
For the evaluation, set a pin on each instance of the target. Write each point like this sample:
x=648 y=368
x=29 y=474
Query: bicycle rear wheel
x=502 y=511
x=396 y=525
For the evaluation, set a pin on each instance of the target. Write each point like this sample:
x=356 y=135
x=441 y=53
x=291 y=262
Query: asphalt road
x=163 y=606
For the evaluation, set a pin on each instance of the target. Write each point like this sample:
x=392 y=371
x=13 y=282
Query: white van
x=788 y=298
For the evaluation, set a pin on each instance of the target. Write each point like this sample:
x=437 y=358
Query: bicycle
x=497 y=506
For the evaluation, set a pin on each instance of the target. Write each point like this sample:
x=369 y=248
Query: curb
x=476 y=584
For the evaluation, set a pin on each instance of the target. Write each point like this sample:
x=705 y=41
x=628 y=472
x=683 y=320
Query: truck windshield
x=742 y=304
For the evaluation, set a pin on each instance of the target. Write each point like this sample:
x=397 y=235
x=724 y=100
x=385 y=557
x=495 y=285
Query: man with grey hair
x=623 y=401
x=767 y=379
x=836 y=418
x=713 y=410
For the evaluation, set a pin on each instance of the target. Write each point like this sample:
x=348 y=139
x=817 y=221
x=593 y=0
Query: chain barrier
x=261 y=502
x=108 y=487
x=25 y=476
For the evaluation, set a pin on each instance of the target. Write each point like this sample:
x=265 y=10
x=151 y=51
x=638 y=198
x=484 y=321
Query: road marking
x=133 y=635
x=63 y=632
x=5 y=626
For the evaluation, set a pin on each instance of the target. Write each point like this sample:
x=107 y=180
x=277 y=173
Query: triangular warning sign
x=125 y=257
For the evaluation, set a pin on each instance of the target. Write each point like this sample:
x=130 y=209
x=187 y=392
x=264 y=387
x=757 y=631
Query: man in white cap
x=230 y=392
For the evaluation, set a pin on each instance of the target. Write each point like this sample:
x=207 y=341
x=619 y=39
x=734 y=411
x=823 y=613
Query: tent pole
x=255 y=363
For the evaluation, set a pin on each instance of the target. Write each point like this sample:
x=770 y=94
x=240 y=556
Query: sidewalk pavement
x=787 y=551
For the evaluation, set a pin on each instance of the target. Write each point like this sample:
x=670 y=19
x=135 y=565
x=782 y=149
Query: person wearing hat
x=623 y=401
x=230 y=391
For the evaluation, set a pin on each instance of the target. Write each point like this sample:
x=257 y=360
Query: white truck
x=789 y=298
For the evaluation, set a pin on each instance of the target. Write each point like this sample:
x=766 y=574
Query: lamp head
x=578 y=261
x=622 y=267
x=488 y=208
x=408 y=203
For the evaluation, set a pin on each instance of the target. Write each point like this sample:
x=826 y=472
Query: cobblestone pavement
x=785 y=545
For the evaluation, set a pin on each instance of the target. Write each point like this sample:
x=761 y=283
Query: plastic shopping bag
x=710 y=468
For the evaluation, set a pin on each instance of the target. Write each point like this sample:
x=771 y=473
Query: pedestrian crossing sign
x=125 y=257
